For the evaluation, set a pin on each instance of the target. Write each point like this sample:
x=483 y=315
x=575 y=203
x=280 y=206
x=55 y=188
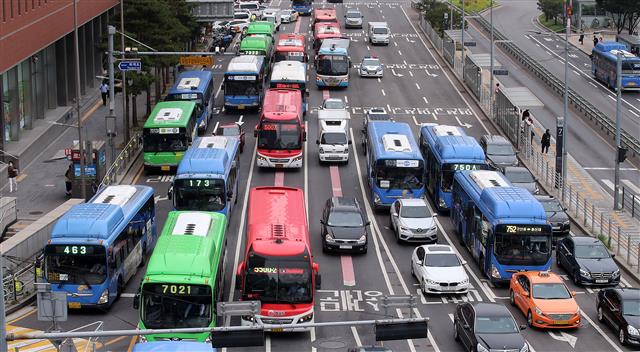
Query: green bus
x=168 y=133
x=185 y=275
x=256 y=45
x=261 y=28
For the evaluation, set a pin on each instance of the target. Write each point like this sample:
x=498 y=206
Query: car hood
x=529 y=186
x=605 y=265
x=563 y=306
x=417 y=223
x=507 y=160
x=333 y=148
x=346 y=233
x=371 y=68
x=557 y=217
x=513 y=341
x=633 y=320
x=446 y=274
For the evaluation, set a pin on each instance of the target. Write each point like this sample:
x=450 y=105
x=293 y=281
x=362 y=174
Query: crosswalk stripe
x=30 y=346
x=631 y=186
x=608 y=183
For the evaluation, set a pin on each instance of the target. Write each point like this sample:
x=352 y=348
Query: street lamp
x=77 y=57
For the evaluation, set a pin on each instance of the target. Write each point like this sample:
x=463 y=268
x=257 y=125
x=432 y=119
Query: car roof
x=515 y=169
x=627 y=292
x=491 y=309
x=586 y=240
x=345 y=204
x=495 y=139
x=438 y=249
x=538 y=277
x=412 y=201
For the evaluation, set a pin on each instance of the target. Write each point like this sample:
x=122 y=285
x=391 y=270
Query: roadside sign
x=500 y=72
x=196 y=60
x=130 y=65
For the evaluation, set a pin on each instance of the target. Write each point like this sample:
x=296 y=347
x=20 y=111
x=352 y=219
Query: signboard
x=89 y=170
x=196 y=60
x=500 y=72
x=130 y=65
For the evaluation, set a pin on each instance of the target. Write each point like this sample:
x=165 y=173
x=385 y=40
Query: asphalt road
x=416 y=91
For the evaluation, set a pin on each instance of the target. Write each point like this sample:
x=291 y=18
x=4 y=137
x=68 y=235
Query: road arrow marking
x=563 y=336
x=160 y=198
x=431 y=74
x=396 y=74
x=462 y=124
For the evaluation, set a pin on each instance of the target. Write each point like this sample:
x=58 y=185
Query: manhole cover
x=332 y=344
x=35 y=213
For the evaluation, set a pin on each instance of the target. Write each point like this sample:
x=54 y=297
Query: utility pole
x=567 y=14
x=616 y=189
x=125 y=108
x=83 y=182
x=491 y=107
x=462 y=39
x=3 y=322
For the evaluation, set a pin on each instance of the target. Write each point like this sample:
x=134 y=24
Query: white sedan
x=439 y=270
x=287 y=16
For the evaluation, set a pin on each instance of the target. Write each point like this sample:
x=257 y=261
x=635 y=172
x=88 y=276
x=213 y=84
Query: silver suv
x=353 y=19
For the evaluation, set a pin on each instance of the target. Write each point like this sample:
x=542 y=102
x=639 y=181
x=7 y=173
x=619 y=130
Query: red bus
x=278 y=268
x=281 y=131
x=324 y=15
x=324 y=30
x=290 y=47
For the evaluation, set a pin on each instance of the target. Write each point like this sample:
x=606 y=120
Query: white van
x=379 y=33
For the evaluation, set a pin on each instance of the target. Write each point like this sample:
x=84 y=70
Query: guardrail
x=631 y=202
x=18 y=284
x=121 y=162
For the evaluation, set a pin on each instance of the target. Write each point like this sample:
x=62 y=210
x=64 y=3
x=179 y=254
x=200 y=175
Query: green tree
x=551 y=9
x=633 y=16
x=618 y=10
x=434 y=12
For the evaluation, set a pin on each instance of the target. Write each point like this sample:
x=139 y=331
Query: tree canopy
x=551 y=9
x=624 y=13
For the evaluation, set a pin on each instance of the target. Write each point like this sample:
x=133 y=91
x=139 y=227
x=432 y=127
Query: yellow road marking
x=21 y=177
x=112 y=341
x=137 y=176
x=22 y=316
x=91 y=111
x=133 y=342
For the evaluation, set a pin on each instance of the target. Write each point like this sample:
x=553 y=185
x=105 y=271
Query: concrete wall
x=7 y=212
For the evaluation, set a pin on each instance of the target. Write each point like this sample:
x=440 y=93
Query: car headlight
x=481 y=348
x=104 y=297
x=632 y=331
x=464 y=282
x=306 y=318
x=525 y=348
x=616 y=273
x=142 y=338
x=495 y=273
x=430 y=282
x=539 y=312
x=329 y=238
x=566 y=223
x=402 y=228
x=585 y=273
x=362 y=239
x=376 y=199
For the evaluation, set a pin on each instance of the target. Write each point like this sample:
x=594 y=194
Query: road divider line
x=414 y=120
x=425 y=100
x=383 y=93
x=356 y=337
x=599 y=330
x=296 y=29
x=417 y=86
x=279 y=179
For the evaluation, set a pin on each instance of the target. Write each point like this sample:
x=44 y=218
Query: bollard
x=584 y=210
x=593 y=217
x=618 y=241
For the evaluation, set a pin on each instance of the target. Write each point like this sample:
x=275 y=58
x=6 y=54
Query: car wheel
x=529 y=319
x=600 y=315
x=511 y=298
x=622 y=337
x=456 y=336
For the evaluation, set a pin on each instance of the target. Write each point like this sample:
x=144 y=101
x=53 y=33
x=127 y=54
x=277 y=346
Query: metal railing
x=121 y=162
x=631 y=202
x=19 y=283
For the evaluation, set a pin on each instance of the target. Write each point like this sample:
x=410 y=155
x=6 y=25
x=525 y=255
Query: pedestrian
x=581 y=40
x=525 y=115
x=68 y=176
x=13 y=174
x=546 y=141
x=595 y=40
x=104 y=91
x=497 y=88
x=529 y=123
x=601 y=39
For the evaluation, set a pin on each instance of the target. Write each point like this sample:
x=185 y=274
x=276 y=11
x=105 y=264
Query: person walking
x=68 y=176
x=104 y=91
x=546 y=141
x=581 y=40
x=13 y=174
x=595 y=40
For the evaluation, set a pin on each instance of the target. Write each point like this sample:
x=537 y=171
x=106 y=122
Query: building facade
x=37 y=58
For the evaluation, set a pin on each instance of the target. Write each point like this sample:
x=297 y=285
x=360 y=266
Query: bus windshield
x=631 y=67
x=274 y=279
x=521 y=248
x=333 y=65
x=395 y=177
x=279 y=135
x=155 y=142
x=247 y=86
x=199 y=194
x=196 y=97
x=76 y=264
x=449 y=169
x=167 y=306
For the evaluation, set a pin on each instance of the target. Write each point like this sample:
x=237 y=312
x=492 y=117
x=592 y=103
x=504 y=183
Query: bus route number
x=461 y=167
x=177 y=289
x=75 y=250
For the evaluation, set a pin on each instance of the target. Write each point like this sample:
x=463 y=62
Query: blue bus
x=196 y=86
x=394 y=163
x=96 y=247
x=504 y=227
x=447 y=149
x=603 y=65
x=303 y=7
x=333 y=63
x=173 y=346
x=207 y=176
x=243 y=82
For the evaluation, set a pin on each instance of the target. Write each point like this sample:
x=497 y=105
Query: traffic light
x=622 y=154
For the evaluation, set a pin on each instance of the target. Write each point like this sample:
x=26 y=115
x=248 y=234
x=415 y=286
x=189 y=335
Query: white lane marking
x=612 y=98
x=630 y=185
x=218 y=91
x=593 y=84
x=356 y=336
x=346 y=99
x=599 y=330
x=608 y=183
x=425 y=100
x=434 y=116
x=388 y=108
x=563 y=336
x=368 y=49
x=417 y=86
x=410 y=73
x=414 y=120
x=267 y=343
x=127 y=295
x=631 y=111
x=383 y=93
x=312 y=334
x=451 y=317
x=399 y=52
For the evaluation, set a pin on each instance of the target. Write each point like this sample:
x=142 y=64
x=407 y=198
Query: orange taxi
x=544 y=299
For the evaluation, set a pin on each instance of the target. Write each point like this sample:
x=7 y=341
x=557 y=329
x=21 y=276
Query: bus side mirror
x=229 y=195
x=170 y=192
x=136 y=301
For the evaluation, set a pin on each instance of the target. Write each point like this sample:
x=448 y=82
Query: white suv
x=411 y=220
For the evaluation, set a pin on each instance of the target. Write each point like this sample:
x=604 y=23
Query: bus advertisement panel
x=278 y=268
x=243 y=82
x=207 y=177
x=196 y=86
x=447 y=149
x=96 y=247
x=167 y=134
x=333 y=63
x=185 y=276
x=603 y=65
x=290 y=47
x=281 y=132
x=394 y=164
x=504 y=227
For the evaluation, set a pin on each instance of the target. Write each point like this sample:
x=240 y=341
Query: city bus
x=290 y=47
x=323 y=15
x=303 y=7
x=280 y=131
x=265 y=28
x=504 y=227
x=196 y=86
x=278 y=267
x=243 y=82
x=173 y=346
x=207 y=176
x=167 y=134
x=96 y=247
x=603 y=66
x=333 y=63
x=258 y=44
x=394 y=164
x=292 y=75
x=185 y=276
x=325 y=30
x=447 y=149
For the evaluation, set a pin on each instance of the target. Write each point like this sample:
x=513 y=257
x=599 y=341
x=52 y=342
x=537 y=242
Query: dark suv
x=344 y=227
x=498 y=151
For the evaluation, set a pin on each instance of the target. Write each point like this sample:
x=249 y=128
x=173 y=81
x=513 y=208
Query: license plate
x=279 y=166
x=277 y=330
x=240 y=106
x=345 y=247
x=631 y=83
x=602 y=281
x=562 y=322
x=165 y=168
x=74 y=305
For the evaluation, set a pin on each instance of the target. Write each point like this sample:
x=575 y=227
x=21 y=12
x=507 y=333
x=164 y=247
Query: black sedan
x=487 y=327
x=556 y=215
x=588 y=261
x=620 y=309
x=344 y=227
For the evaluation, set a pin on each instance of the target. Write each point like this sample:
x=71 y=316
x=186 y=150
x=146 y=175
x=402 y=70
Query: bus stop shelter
x=510 y=102
x=477 y=70
x=452 y=41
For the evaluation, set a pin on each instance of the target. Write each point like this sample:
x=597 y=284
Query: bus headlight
x=104 y=297
x=495 y=273
x=297 y=158
x=306 y=318
x=142 y=338
x=376 y=199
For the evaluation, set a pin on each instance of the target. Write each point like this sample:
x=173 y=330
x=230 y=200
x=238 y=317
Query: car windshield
x=441 y=260
x=399 y=177
x=550 y=205
x=519 y=176
x=75 y=264
x=380 y=30
x=500 y=149
x=279 y=136
x=415 y=211
x=333 y=138
x=345 y=219
x=353 y=14
x=631 y=307
x=332 y=65
x=334 y=104
x=278 y=279
x=496 y=325
x=199 y=194
x=551 y=291
x=156 y=142
x=241 y=87
x=176 y=306
x=592 y=251
x=370 y=62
